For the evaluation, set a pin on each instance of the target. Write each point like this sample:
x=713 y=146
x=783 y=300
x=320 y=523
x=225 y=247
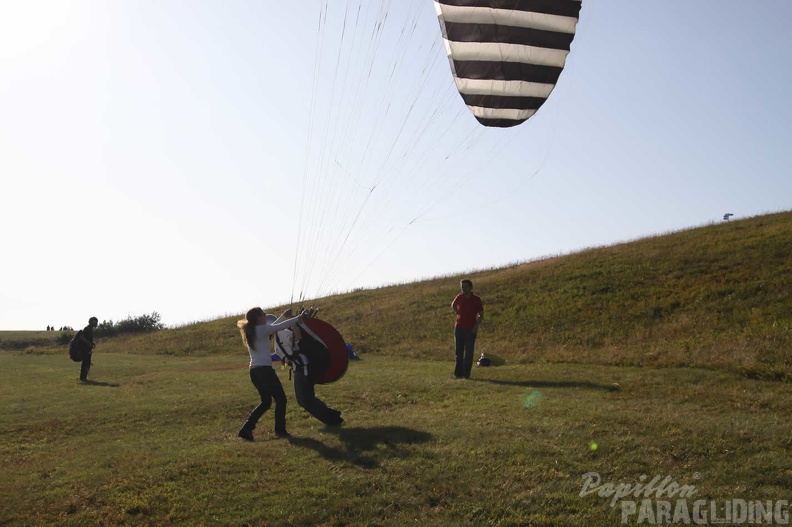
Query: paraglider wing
x=506 y=55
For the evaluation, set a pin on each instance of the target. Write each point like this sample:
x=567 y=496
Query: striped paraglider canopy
x=506 y=55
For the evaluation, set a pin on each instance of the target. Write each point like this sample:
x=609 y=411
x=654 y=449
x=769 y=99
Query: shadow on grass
x=553 y=384
x=99 y=383
x=365 y=446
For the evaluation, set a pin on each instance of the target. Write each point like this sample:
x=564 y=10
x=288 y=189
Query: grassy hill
x=718 y=296
x=151 y=440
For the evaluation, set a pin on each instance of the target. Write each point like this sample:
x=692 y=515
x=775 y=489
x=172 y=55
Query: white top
x=260 y=352
x=288 y=349
x=285 y=348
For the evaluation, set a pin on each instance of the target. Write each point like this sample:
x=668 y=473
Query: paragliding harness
x=312 y=348
x=77 y=348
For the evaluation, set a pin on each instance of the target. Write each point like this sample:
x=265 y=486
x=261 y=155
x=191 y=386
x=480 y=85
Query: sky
x=196 y=159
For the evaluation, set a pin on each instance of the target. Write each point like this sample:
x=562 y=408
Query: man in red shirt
x=469 y=311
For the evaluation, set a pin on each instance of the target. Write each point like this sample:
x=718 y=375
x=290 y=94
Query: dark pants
x=86 y=365
x=269 y=387
x=464 y=340
x=306 y=397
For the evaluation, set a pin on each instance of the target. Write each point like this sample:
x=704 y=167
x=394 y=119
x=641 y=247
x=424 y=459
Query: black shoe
x=336 y=423
x=283 y=434
x=246 y=434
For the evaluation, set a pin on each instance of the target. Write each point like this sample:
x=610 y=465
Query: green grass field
x=152 y=441
x=672 y=355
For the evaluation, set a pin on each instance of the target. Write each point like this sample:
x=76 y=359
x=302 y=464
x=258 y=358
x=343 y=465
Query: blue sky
x=197 y=159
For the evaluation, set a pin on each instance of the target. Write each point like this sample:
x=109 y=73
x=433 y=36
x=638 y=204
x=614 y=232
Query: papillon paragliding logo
x=662 y=501
x=506 y=56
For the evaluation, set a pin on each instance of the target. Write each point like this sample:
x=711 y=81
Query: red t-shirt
x=467 y=310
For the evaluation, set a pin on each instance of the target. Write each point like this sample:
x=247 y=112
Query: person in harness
x=86 y=342
x=308 y=357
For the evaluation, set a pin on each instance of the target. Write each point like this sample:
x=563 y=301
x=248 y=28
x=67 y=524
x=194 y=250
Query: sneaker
x=246 y=434
x=283 y=434
x=336 y=423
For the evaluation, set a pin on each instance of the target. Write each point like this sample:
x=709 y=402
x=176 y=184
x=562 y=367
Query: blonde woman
x=257 y=329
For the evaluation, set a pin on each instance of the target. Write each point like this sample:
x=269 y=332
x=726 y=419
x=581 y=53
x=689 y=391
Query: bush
x=141 y=324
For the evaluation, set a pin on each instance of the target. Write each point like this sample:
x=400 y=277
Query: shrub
x=141 y=324
x=65 y=337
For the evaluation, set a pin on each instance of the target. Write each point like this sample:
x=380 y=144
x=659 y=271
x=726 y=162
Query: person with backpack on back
x=85 y=341
x=295 y=347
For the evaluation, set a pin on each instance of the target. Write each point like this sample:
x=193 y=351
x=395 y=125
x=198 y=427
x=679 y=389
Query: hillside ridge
x=717 y=296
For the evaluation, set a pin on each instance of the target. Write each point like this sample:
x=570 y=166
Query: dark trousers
x=269 y=387
x=306 y=397
x=464 y=341
x=85 y=366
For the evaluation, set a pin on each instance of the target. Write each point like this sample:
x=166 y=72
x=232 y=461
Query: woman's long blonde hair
x=247 y=326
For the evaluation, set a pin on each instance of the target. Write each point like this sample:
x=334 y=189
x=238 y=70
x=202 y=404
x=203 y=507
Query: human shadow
x=553 y=384
x=327 y=452
x=100 y=383
x=364 y=446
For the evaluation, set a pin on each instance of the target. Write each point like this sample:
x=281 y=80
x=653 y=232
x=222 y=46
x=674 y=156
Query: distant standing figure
x=257 y=329
x=469 y=311
x=87 y=340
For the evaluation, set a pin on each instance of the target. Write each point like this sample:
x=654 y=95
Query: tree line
x=108 y=328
